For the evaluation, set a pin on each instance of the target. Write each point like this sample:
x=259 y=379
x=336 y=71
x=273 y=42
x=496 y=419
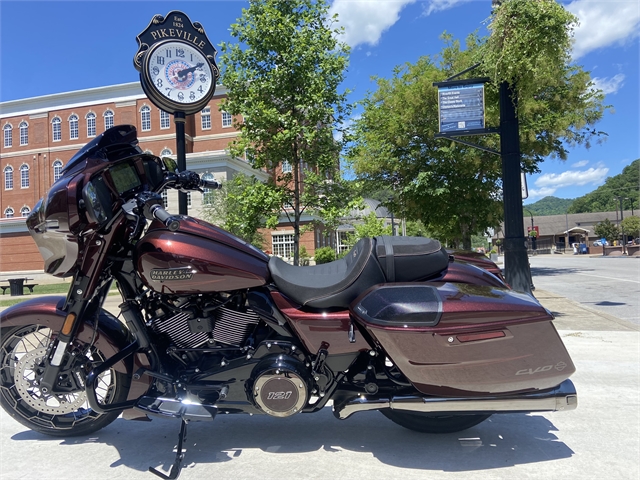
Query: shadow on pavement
x=549 y=271
x=500 y=441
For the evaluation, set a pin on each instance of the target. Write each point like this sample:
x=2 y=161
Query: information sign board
x=461 y=107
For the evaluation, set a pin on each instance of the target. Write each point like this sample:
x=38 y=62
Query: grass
x=62 y=288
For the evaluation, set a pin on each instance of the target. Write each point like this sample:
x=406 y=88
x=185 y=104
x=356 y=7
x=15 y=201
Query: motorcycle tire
x=428 y=423
x=59 y=415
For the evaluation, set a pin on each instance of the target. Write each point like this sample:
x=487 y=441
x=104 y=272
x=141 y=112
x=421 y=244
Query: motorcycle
x=211 y=324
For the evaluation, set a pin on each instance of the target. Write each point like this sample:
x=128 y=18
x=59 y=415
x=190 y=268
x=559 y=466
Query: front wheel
x=66 y=412
x=430 y=423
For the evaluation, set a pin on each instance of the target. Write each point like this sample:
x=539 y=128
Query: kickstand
x=175 y=468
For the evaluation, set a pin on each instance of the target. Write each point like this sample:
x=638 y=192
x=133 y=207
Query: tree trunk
x=296 y=206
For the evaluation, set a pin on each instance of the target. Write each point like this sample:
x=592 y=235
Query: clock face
x=180 y=73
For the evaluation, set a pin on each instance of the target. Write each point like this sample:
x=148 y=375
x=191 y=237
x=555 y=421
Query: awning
x=576 y=230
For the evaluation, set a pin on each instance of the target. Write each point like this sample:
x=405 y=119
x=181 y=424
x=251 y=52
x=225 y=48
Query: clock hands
x=183 y=73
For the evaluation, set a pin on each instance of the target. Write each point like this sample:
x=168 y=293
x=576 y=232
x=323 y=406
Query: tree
x=371 y=226
x=282 y=78
x=243 y=206
x=608 y=230
x=456 y=190
x=603 y=198
x=631 y=226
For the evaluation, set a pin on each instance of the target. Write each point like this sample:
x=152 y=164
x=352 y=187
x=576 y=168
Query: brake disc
x=26 y=381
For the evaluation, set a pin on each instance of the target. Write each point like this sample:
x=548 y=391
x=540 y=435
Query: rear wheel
x=429 y=423
x=65 y=413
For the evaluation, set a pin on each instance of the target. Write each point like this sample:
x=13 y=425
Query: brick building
x=41 y=134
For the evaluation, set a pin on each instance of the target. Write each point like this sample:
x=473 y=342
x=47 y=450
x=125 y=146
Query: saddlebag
x=453 y=339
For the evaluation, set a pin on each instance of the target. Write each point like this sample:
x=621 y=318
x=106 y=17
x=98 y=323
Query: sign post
x=461 y=113
x=178 y=73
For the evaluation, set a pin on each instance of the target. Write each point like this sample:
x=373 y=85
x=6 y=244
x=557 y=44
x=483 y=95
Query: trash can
x=583 y=248
x=16 y=286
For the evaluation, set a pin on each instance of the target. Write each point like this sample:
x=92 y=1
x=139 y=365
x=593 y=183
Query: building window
x=286 y=167
x=207 y=193
x=56 y=129
x=57 y=170
x=8 y=135
x=8 y=213
x=165 y=121
x=282 y=244
x=226 y=119
x=145 y=118
x=24 y=176
x=166 y=152
x=73 y=127
x=24 y=133
x=8 y=177
x=343 y=241
x=91 y=124
x=206 y=118
x=108 y=119
x=165 y=198
x=24 y=211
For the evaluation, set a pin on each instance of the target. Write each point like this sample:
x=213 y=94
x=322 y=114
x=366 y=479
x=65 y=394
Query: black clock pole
x=179 y=118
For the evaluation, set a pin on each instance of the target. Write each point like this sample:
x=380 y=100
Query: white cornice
x=13 y=225
x=215 y=136
x=124 y=92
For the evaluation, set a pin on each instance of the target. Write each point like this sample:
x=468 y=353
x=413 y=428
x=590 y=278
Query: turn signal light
x=68 y=324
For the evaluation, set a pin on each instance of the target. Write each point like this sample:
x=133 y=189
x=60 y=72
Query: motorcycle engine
x=193 y=327
x=280 y=385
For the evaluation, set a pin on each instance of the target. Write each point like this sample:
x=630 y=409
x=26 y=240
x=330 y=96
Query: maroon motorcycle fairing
x=483 y=340
x=217 y=261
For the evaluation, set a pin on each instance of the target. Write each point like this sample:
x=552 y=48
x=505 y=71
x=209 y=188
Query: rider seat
x=368 y=263
x=334 y=284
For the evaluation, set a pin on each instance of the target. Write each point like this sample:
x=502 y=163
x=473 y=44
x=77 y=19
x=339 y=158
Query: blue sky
x=54 y=46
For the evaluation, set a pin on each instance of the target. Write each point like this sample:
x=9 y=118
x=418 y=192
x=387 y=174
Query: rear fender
x=111 y=336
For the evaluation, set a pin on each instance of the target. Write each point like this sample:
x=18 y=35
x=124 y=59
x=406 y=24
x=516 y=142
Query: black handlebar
x=158 y=212
x=150 y=205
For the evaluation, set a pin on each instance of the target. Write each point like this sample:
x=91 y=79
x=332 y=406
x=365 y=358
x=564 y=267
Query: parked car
x=600 y=243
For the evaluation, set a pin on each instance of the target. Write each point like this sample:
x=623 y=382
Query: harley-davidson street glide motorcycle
x=210 y=324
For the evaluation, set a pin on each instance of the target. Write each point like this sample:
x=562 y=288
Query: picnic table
x=17 y=285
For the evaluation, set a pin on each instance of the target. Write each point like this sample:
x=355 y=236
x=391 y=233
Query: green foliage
x=631 y=226
x=244 y=205
x=304 y=256
x=370 y=227
x=454 y=189
x=603 y=199
x=282 y=78
x=325 y=255
x=415 y=228
x=548 y=206
x=608 y=230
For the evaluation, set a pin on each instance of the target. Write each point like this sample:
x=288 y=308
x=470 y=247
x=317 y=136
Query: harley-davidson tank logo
x=164 y=274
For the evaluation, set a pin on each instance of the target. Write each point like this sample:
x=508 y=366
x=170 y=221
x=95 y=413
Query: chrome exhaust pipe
x=561 y=398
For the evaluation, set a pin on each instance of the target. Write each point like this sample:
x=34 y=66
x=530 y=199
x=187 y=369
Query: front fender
x=111 y=336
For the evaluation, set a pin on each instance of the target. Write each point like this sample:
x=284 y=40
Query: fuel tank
x=198 y=258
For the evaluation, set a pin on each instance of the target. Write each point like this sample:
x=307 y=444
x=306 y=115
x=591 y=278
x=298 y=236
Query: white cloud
x=581 y=163
x=609 y=85
x=365 y=21
x=604 y=23
x=540 y=192
x=438 y=5
x=548 y=183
